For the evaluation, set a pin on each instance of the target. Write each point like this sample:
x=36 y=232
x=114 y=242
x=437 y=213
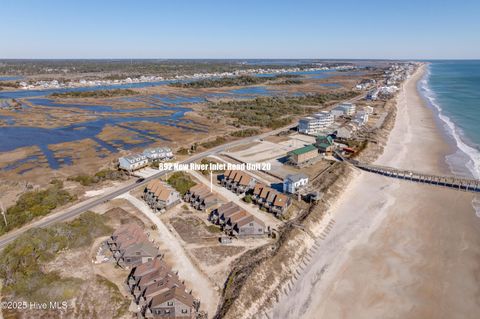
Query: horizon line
x=321 y=59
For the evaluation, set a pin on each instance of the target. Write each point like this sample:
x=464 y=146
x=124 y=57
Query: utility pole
x=211 y=182
x=3 y=213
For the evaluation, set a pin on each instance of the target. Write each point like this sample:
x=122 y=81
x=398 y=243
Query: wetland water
x=171 y=108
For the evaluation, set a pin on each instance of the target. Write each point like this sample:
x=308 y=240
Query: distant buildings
x=159 y=195
x=372 y=95
x=388 y=90
x=293 y=182
x=365 y=84
x=368 y=109
x=43 y=84
x=315 y=124
x=344 y=132
x=347 y=108
x=302 y=155
x=361 y=118
x=308 y=125
x=325 y=144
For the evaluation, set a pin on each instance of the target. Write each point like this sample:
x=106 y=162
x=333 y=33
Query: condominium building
x=315 y=124
x=344 y=109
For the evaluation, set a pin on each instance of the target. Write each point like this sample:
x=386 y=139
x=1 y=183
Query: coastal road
x=84 y=206
x=79 y=208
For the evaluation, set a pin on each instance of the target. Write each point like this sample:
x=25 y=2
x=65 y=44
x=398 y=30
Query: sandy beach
x=398 y=249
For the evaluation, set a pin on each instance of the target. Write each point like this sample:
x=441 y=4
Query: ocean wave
x=466 y=156
x=473 y=163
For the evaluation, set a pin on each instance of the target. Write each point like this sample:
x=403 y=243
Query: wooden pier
x=458 y=183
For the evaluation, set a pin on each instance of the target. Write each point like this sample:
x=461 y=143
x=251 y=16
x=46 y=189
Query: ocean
x=452 y=88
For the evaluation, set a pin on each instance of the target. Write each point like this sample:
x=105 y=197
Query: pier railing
x=459 y=183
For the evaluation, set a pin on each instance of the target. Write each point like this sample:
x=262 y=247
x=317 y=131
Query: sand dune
x=398 y=249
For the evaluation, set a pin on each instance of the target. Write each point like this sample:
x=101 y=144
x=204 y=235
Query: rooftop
x=295 y=177
x=303 y=150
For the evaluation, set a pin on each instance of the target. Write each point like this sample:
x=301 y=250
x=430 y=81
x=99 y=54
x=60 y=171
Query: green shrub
x=213 y=229
x=100 y=176
x=183 y=151
x=34 y=204
x=21 y=261
x=219 y=140
x=98 y=93
x=273 y=112
x=207 y=171
x=181 y=182
x=247 y=199
x=245 y=133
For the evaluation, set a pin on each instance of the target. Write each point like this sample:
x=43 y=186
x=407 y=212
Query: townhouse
x=172 y=303
x=159 y=195
x=237 y=181
x=158 y=153
x=201 y=198
x=270 y=199
x=235 y=221
x=158 y=292
x=130 y=246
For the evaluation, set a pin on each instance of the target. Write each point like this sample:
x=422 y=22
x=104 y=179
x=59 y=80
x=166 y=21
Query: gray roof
x=135 y=158
x=155 y=150
x=145 y=247
x=295 y=177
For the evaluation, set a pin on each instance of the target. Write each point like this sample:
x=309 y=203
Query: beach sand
x=398 y=249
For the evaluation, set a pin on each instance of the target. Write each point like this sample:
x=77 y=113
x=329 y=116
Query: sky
x=374 y=29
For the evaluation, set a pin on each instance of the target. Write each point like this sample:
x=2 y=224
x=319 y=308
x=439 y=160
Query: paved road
x=84 y=206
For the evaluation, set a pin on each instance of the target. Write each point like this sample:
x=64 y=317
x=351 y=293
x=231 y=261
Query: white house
x=133 y=162
x=361 y=118
x=158 y=153
x=294 y=182
x=315 y=124
x=308 y=125
x=325 y=118
x=372 y=95
x=348 y=108
x=337 y=111
x=368 y=109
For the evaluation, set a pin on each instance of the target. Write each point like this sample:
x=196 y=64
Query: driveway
x=202 y=287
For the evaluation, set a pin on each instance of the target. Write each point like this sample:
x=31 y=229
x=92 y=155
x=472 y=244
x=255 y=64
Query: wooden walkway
x=458 y=183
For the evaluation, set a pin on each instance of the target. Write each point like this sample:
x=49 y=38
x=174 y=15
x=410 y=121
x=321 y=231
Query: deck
x=458 y=183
